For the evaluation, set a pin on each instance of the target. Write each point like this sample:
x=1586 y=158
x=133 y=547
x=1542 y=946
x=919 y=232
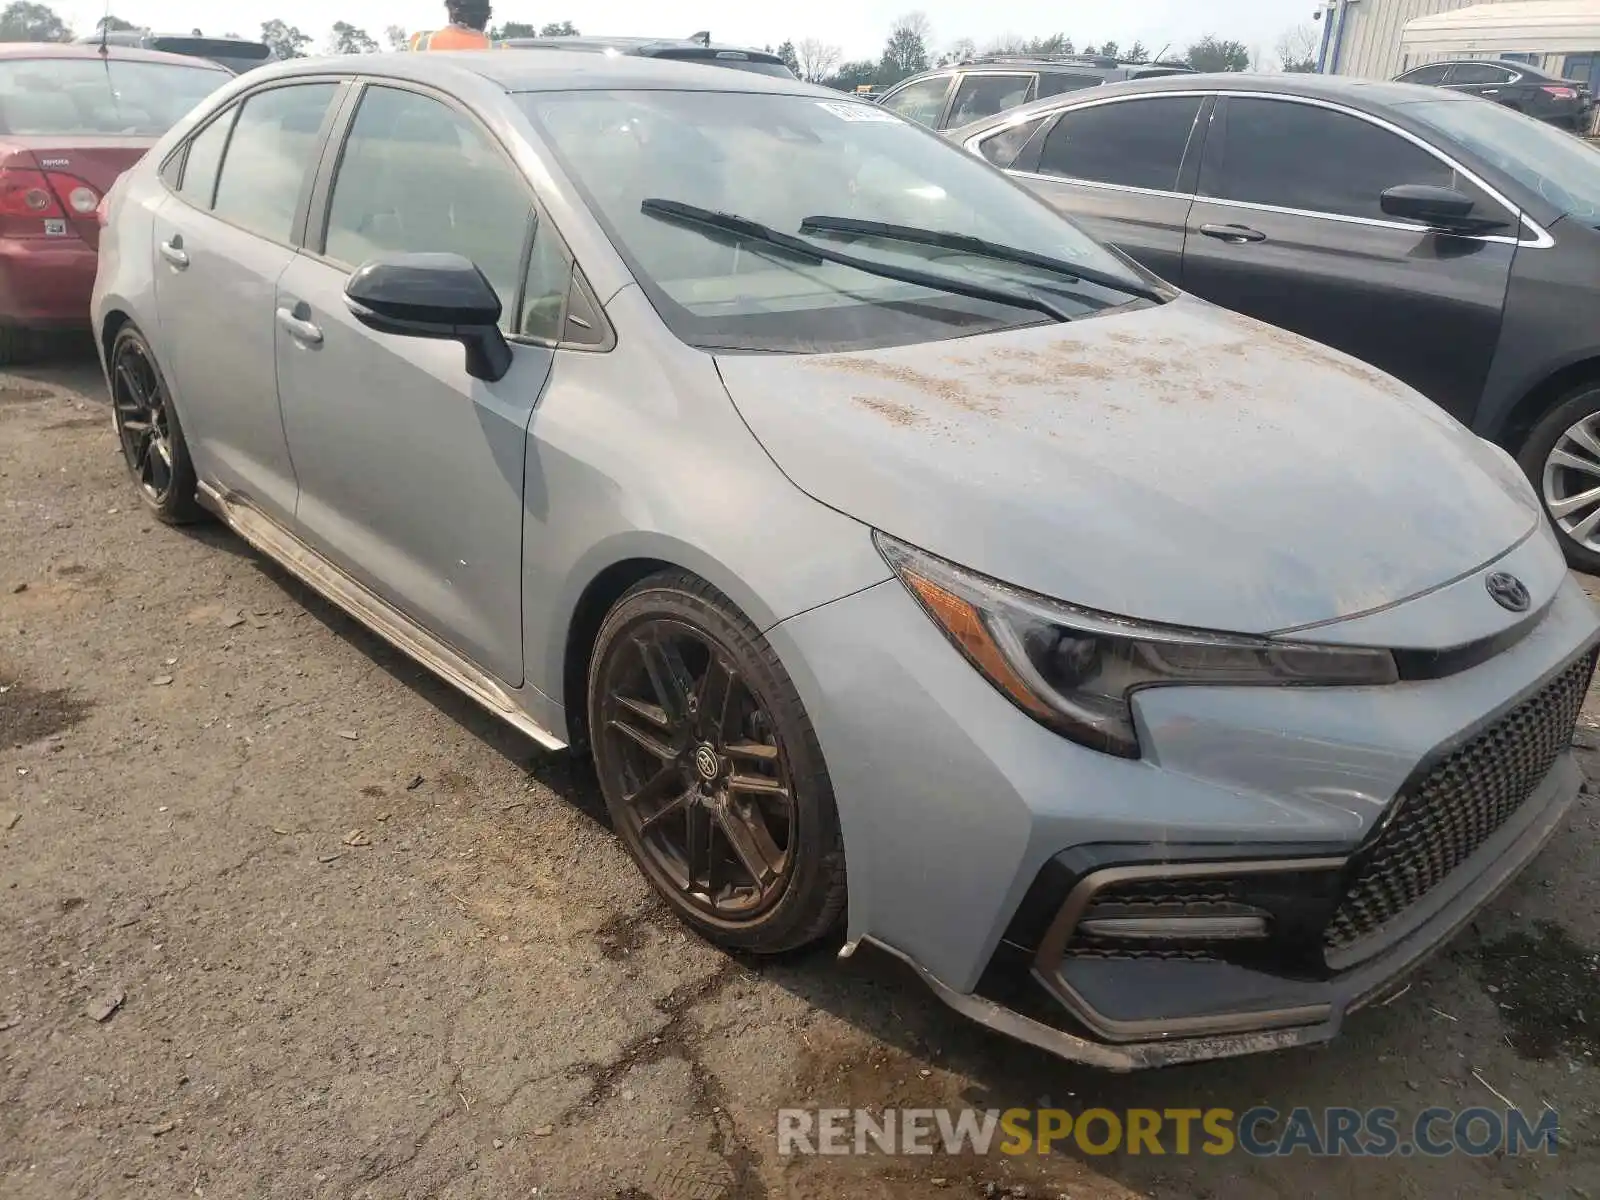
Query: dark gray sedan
x=1443 y=238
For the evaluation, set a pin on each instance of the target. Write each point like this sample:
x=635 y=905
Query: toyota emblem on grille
x=1508 y=591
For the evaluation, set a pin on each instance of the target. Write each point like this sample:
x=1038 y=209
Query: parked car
x=71 y=121
x=1449 y=242
x=1521 y=88
x=237 y=54
x=668 y=49
x=901 y=555
x=980 y=87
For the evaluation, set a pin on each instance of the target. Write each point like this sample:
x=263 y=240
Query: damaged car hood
x=1176 y=463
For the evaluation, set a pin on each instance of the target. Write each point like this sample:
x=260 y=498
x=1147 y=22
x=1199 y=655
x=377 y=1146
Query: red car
x=72 y=119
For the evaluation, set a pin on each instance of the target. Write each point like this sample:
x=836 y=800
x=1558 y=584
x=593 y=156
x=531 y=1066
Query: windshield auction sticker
x=846 y=111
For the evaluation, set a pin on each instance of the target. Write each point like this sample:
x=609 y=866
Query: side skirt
x=377 y=614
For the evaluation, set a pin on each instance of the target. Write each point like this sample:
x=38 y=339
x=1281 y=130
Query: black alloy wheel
x=147 y=426
x=710 y=770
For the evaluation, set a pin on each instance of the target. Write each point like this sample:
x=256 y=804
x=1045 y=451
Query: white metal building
x=1377 y=39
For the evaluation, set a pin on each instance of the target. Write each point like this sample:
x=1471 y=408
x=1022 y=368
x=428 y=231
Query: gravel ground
x=284 y=917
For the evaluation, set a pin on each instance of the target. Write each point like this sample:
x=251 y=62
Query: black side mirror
x=1443 y=209
x=441 y=296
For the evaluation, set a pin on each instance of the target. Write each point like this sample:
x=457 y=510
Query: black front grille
x=1444 y=817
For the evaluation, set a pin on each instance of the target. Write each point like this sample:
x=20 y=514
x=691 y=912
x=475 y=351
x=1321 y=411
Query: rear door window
x=1306 y=157
x=418 y=176
x=269 y=157
x=981 y=96
x=199 y=186
x=1131 y=143
x=922 y=101
x=1475 y=73
x=1002 y=148
x=1431 y=75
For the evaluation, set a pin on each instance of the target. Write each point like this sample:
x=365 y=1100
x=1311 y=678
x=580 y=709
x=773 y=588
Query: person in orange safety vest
x=469 y=19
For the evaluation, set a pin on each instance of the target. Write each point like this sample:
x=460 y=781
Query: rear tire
x=710 y=768
x=1553 y=458
x=147 y=427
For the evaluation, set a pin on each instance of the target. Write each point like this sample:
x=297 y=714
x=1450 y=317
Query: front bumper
x=46 y=283
x=976 y=839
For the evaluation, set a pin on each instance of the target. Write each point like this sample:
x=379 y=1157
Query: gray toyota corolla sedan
x=1159 y=684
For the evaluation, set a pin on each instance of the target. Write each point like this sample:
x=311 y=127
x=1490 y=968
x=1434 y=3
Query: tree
x=22 y=21
x=1137 y=53
x=959 y=51
x=1109 y=49
x=559 y=29
x=347 y=39
x=816 y=60
x=906 y=51
x=513 y=29
x=852 y=75
x=787 y=52
x=113 y=24
x=1091 y=49
x=397 y=37
x=1213 y=54
x=286 y=40
x=1297 y=50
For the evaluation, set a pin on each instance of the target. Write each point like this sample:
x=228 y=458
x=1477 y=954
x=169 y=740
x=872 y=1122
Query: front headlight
x=1075 y=670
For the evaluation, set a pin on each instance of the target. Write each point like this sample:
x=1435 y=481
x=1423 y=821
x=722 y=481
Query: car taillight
x=79 y=198
x=1560 y=93
x=27 y=194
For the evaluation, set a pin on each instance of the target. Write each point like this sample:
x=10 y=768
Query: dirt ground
x=280 y=916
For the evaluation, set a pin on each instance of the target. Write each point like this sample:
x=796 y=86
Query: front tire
x=148 y=429
x=711 y=771
x=1561 y=456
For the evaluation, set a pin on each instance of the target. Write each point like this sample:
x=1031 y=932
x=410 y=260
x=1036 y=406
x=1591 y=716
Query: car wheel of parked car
x=147 y=426
x=1562 y=458
x=711 y=770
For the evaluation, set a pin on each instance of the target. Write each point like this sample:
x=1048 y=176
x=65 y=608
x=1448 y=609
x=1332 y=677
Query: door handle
x=1237 y=235
x=174 y=253
x=1491 y=91
x=299 y=329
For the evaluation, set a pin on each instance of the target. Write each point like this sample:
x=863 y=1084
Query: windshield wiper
x=978 y=246
x=744 y=229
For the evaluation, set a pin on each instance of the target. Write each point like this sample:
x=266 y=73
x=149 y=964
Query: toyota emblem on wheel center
x=1508 y=591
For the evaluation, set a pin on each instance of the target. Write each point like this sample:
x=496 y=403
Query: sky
x=859 y=27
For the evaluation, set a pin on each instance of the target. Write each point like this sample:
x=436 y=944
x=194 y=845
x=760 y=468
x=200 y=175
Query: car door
x=222 y=241
x=1117 y=167
x=981 y=94
x=410 y=470
x=1288 y=226
x=921 y=100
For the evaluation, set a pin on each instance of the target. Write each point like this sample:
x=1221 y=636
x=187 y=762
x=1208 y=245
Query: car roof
x=1373 y=95
x=1378 y=97
x=114 y=52
x=1510 y=64
x=640 y=44
x=556 y=70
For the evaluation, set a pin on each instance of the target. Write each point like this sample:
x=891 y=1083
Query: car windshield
x=1563 y=169
x=778 y=159
x=76 y=97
